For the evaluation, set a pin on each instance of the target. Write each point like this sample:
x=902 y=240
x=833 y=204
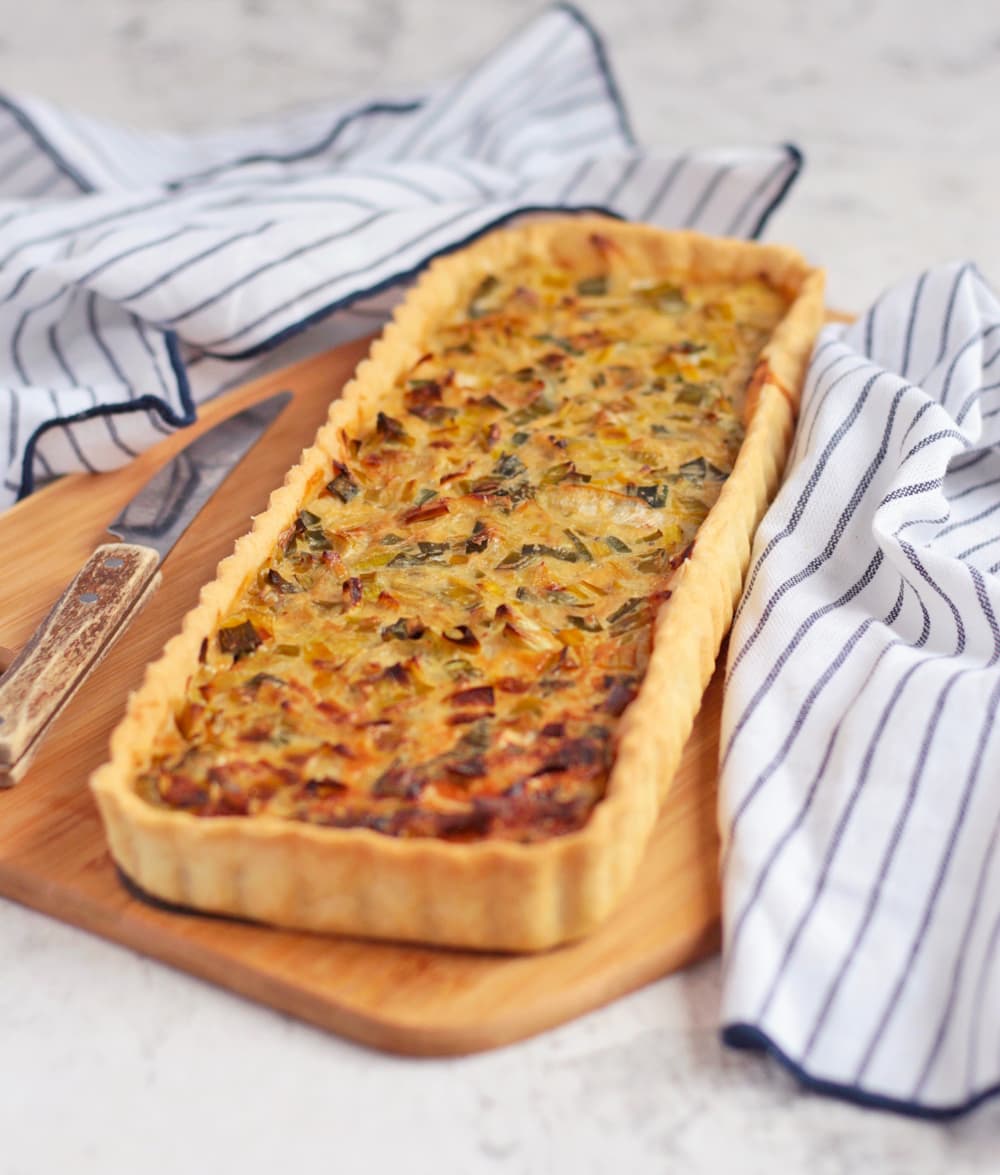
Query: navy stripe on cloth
x=860 y=752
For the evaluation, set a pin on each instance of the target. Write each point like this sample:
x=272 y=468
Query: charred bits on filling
x=449 y=629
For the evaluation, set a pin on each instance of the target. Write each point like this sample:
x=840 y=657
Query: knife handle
x=88 y=617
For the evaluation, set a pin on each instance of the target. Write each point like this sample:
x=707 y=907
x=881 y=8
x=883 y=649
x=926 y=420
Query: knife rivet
x=114 y=561
x=88 y=597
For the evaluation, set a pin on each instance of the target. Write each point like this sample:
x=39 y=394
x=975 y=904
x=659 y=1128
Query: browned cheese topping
x=443 y=642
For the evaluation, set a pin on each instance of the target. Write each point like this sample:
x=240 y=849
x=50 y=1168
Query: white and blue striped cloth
x=141 y=273
x=860 y=801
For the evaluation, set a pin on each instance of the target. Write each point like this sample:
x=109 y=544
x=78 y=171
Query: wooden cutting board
x=402 y=998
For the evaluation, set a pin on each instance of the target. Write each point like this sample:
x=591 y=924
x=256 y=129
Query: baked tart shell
x=488 y=895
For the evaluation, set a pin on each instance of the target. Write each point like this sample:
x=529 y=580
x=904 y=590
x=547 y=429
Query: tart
x=439 y=691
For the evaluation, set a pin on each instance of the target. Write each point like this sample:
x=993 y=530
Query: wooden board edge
x=394 y=1034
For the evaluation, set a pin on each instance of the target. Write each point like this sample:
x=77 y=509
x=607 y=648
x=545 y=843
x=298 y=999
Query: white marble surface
x=110 y=1062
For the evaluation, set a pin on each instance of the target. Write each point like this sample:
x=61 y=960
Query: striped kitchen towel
x=141 y=273
x=860 y=802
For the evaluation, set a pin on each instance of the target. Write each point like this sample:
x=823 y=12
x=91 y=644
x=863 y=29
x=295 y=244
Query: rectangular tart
x=439 y=691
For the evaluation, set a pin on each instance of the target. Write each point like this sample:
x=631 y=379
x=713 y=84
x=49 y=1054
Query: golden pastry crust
x=488 y=894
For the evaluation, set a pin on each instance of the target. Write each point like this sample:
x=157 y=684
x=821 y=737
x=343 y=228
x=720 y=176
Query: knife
x=115 y=582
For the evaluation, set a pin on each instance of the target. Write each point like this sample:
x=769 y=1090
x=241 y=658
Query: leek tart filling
x=444 y=640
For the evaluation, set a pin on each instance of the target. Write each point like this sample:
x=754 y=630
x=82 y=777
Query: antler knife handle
x=88 y=617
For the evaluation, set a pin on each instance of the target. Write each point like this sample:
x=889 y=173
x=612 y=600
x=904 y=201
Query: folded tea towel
x=141 y=273
x=860 y=792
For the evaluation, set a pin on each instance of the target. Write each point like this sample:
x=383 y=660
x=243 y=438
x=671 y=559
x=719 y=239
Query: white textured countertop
x=111 y=1062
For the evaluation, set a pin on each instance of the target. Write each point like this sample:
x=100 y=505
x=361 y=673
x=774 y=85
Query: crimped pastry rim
x=440 y=890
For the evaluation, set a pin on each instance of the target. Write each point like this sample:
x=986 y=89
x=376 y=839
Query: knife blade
x=115 y=582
